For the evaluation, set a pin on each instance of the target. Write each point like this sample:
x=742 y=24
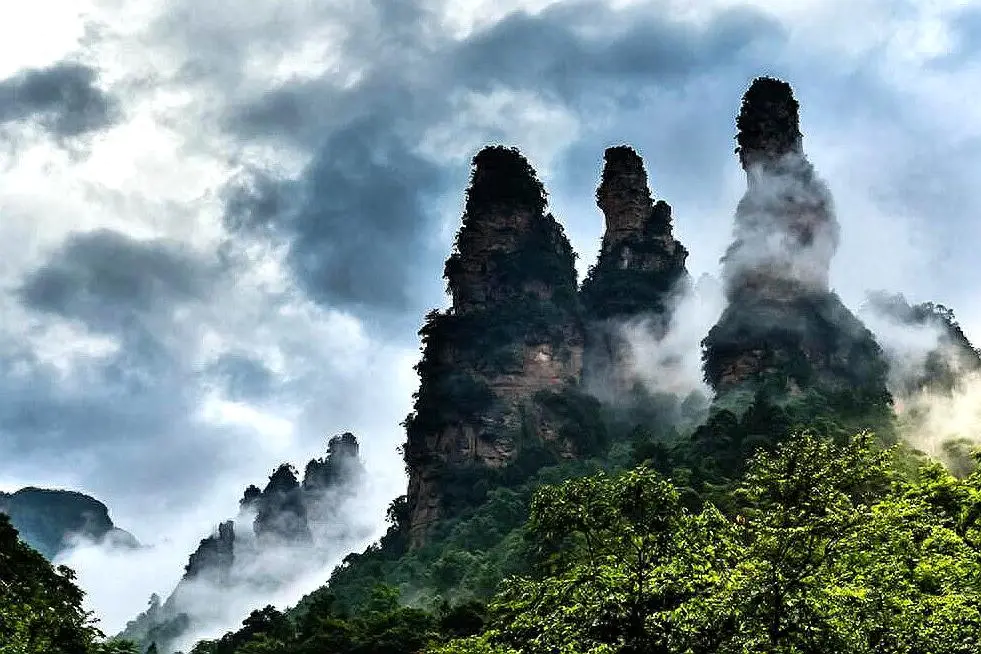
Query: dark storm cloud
x=358 y=219
x=363 y=234
x=129 y=427
x=359 y=227
x=63 y=98
x=106 y=278
x=243 y=377
x=114 y=408
x=560 y=51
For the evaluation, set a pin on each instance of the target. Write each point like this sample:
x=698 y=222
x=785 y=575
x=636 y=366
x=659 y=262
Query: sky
x=221 y=223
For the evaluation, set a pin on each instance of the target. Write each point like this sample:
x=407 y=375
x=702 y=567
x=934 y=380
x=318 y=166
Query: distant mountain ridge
x=47 y=519
x=283 y=530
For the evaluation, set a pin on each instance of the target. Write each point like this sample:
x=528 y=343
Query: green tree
x=825 y=549
x=618 y=555
x=40 y=605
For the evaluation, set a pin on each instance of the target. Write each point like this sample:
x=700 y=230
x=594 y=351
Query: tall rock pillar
x=640 y=270
x=783 y=327
x=514 y=330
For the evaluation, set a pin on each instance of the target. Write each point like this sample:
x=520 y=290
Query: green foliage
x=544 y=256
x=466 y=556
x=41 y=607
x=502 y=175
x=825 y=549
x=821 y=543
x=811 y=342
x=382 y=626
x=577 y=416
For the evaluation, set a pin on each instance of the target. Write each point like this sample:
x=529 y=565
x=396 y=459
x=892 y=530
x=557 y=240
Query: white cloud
x=673 y=363
x=37 y=34
x=542 y=129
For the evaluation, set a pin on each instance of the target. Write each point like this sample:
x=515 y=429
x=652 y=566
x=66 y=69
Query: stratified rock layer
x=514 y=330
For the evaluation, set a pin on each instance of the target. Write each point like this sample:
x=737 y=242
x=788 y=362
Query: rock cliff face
x=289 y=527
x=514 y=330
x=640 y=263
x=783 y=325
x=214 y=556
x=47 y=519
x=640 y=270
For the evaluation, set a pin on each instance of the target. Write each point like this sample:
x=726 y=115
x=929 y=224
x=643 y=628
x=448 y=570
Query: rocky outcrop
x=337 y=470
x=514 y=330
x=289 y=527
x=214 y=556
x=641 y=265
x=49 y=519
x=281 y=512
x=640 y=272
x=783 y=326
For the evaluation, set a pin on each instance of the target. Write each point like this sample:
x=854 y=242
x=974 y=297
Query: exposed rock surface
x=48 y=519
x=290 y=527
x=640 y=264
x=782 y=323
x=514 y=330
x=640 y=271
x=214 y=556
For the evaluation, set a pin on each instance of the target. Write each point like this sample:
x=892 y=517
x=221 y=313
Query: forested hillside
x=41 y=606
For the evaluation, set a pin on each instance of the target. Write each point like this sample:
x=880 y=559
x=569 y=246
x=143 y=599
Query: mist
x=267 y=568
x=939 y=420
x=271 y=571
x=672 y=362
x=118 y=581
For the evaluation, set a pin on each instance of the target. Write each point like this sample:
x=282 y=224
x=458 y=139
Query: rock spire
x=783 y=326
x=514 y=331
